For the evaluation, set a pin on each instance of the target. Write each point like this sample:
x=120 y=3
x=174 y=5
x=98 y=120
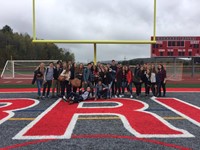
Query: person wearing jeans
x=48 y=77
x=39 y=78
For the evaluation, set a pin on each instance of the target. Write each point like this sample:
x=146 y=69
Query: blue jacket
x=86 y=75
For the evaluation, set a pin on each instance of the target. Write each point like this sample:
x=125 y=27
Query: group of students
x=98 y=81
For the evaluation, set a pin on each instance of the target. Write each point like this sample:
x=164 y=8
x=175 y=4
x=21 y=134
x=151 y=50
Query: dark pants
x=147 y=88
x=114 y=85
x=77 y=97
x=153 y=89
x=124 y=85
x=129 y=88
x=138 y=87
x=102 y=93
x=118 y=88
x=48 y=86
x=65 y=85
x=161 y=85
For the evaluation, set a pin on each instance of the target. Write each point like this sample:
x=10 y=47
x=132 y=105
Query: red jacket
x=129 y=76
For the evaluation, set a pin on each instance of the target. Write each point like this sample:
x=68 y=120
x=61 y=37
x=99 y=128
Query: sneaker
x=120 y=96
x=43 y=97
x=116 y=96
x=131 y=96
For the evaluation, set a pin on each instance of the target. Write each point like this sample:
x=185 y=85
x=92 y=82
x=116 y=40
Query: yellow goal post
x=95 y=42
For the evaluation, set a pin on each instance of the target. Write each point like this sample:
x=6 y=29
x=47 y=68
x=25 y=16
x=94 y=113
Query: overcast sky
x=103 y=20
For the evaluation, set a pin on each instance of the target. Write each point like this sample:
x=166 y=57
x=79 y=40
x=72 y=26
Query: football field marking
x=96 y=118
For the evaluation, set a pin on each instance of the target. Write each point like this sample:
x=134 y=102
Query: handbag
x=61 y=78
x=76 y=82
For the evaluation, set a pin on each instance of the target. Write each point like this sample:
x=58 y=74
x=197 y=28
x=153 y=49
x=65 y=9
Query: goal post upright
x=154 y=23
x=95 y=42
x=34 y=22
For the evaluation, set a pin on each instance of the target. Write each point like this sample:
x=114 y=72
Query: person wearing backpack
x=48 y=77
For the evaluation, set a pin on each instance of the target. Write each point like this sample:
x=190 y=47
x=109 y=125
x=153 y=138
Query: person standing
x=48 y=77
x=129 y=77
x=56 y=83
x=153 y=81
x=39 y=78
x=161 y=76
x=118 y=81
x=113 y=68
x=87 y=78
x=124 y=79
x=65 y=84
x=138 y=81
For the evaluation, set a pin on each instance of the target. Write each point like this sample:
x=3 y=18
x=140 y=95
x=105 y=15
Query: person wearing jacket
x=66 y=83
x=87 y=78
x=124 y=79
x=48 y=77
x=56 y=83
x=101 y=90
x=113 y=70
x=39 y=78
x=76 y=98
x=118 y=80
x=147 y=81
x=161 y=80
x=129 y=77
x=138 y=80
x=108 y=81
x=153 y=80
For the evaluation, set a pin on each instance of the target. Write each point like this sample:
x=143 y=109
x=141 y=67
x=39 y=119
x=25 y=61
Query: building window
x=182 y=43
x=190 y=53
x=161 y=53
x=169 y=43
x=196 y=45
x=173 y=43
x=170 y=54
x=179 y=43
x=153 y=51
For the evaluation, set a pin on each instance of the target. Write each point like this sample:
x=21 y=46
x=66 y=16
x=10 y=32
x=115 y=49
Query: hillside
x=20 y=47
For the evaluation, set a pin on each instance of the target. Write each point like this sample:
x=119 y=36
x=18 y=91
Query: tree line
x=19 y=46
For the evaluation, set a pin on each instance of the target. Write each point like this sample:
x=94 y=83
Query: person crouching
x=101 y=90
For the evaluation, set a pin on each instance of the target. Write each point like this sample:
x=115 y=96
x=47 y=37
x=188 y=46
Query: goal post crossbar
x=35 y=40
x=96 y=41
